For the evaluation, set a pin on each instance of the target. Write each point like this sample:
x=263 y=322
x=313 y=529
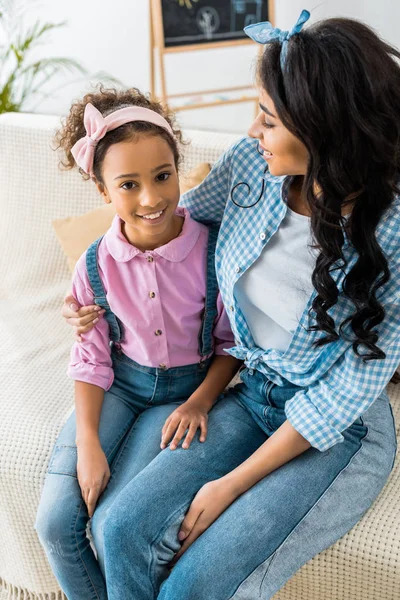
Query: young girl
x=308 y=262
x=159 y=339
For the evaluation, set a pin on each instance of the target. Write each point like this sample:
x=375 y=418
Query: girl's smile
x=141 y=180
x=153 y=218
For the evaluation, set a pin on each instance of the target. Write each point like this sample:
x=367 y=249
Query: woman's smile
x=267 y=155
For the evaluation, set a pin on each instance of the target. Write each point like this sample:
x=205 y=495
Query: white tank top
x=274 y=291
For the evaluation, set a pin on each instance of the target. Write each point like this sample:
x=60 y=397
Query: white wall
x=114 y=37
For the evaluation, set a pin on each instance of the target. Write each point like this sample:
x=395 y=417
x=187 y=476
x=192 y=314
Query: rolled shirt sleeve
x=223 y=336
x=90 y=360
x=321 y=412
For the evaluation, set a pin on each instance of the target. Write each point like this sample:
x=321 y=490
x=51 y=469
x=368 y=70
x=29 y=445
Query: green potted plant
x=21 y=78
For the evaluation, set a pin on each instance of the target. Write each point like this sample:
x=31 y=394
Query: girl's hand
x=208 y=504
x=93 y=472
x=82 y=318
x=190 y=415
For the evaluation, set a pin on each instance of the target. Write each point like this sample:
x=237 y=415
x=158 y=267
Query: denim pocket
x=274 y=417
x=64 y=461
x=183 y=386
x=266 y=388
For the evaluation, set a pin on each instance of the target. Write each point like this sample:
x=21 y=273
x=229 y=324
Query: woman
x=308 y=262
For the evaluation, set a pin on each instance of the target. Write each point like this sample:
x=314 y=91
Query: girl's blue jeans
x=260 y=541
x=133 y=414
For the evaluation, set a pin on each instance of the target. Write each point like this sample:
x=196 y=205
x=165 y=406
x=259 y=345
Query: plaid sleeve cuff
x=307 y=420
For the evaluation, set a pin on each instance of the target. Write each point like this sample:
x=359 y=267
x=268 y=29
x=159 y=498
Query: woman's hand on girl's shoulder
x=81 y=318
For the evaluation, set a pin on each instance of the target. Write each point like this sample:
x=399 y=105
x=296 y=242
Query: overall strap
x=206 y=344
x=100 y=293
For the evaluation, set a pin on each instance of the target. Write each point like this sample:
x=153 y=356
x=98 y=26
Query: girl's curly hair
x=108 y=100
x=339 y=93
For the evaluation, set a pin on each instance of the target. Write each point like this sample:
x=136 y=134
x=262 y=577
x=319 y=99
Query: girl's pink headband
x=97 y=126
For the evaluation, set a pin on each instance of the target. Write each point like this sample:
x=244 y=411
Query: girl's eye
x=163 y=176
x=128 y=185
x=268 y=125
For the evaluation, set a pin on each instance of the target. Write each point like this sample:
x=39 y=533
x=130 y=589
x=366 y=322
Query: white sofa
x=36 y=395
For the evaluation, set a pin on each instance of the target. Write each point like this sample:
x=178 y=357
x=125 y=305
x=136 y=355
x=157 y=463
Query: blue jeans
x=133 y=413
x=269 y=532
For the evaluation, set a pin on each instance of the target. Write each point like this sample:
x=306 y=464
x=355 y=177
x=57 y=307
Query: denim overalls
x=148 y=386
x=126 y=428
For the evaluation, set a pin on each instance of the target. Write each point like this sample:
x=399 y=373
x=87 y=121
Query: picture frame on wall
x=192 y=22
x=192 y=25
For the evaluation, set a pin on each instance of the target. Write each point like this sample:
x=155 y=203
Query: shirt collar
x=175 y=251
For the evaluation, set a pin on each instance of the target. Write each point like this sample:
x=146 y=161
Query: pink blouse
x=158 y=295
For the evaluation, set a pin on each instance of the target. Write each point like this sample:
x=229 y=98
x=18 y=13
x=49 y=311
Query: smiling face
x=284 y=153
x=141 y=180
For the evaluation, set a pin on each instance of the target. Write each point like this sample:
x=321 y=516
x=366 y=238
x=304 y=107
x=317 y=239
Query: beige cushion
x=75 y=234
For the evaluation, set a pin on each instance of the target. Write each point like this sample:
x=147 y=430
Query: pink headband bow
x=97 y=126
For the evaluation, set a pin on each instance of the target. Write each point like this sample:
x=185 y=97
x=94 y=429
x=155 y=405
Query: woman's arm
x=81 y=318
x=315 y=416
x=326 y=408
x=215 y=497
x=281 y=447
x=206 y=202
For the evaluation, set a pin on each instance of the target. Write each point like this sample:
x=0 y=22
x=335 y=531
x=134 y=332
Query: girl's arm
x=90 y=360
x=193 y=414
x=91 y=367
x=93 y=471
x=224 y=367
x=92 y=468
x=221 y=372
x=88 y=403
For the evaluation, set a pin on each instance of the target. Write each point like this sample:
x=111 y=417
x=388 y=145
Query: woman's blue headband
x=264 y=33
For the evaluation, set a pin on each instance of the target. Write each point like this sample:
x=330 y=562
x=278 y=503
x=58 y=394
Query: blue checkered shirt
x=337 y=385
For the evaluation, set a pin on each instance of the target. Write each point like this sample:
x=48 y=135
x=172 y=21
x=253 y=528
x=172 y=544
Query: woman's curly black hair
x=339 y=93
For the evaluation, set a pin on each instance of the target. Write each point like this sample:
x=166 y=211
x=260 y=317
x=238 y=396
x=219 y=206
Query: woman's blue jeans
x=133 y=414
x=269 y=532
